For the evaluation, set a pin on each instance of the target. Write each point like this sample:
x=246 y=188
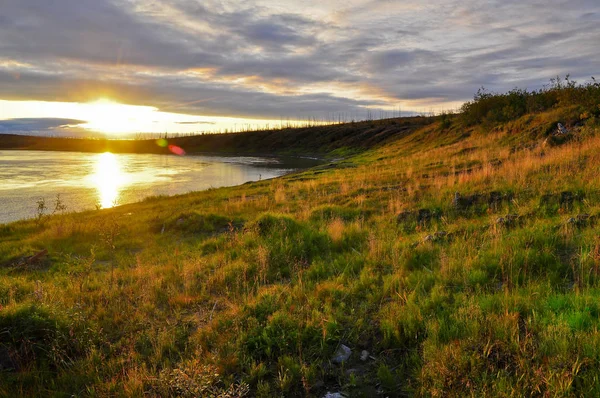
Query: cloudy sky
x=190 y=65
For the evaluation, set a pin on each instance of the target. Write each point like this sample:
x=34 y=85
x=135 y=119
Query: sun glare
x=111 y=117
x=108 y=179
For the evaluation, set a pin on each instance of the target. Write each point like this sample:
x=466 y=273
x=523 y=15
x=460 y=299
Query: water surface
x=90 y=180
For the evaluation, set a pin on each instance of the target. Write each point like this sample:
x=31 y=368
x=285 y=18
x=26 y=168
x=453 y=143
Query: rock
x=342 y=354
x=583 y=217
x=353 y=371
x=404 y=216
x=561 y=129
x=496 y=162
x=496 y=199
x=424 y=216
x=364 y=355
x=334 y=395
x=461 y=202
x=508 y=220
x=456 y=200
x=579 y=220
x=437 y=236
x=38 y=257
x=428 y=238
x=512 y=217
x=556 y=139
x=566 y=199
x=546 y=199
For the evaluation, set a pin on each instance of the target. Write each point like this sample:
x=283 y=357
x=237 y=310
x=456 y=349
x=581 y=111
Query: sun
x=110 y=117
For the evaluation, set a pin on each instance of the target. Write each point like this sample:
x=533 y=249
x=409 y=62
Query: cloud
x=267 y=58
x=385 y=61
x=43 y=126
x=198 y=122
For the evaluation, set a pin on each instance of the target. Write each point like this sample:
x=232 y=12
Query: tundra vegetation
x=462 y=255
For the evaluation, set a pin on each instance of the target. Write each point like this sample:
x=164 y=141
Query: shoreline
x=288 y=166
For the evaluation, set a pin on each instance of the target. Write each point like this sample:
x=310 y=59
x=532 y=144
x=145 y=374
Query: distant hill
x=319 y=140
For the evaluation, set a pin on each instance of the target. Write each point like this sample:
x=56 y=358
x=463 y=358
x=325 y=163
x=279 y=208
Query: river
x=87 y=181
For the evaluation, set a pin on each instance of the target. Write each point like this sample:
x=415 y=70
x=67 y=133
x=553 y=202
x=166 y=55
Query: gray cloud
x=43 y=126
x=198 y=122
x=385 y=61
x=276 y=59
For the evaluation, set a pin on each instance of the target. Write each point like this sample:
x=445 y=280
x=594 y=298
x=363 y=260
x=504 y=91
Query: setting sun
x=107 y=117
x=110 y=117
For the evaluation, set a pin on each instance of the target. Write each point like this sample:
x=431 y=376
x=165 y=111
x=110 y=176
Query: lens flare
x=161 y=142
x=176 y=150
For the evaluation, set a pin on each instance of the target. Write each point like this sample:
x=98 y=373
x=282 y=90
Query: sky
x=66 y=66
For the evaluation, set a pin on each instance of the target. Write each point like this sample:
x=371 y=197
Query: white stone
x=364 y=355
x=334 y=395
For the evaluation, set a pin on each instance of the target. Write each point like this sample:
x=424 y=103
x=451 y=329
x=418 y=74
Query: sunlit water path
x=88 y=180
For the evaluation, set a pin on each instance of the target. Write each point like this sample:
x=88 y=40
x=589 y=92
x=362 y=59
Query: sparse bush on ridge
x=492 y=108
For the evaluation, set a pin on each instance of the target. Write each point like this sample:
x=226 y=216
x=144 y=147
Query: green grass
x=250 y=290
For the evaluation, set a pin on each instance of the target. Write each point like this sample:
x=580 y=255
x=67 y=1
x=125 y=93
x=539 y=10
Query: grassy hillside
x=252 y=290
x=331 y=140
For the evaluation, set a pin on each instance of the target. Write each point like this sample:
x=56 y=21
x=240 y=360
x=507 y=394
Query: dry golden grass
x=335 y=229
x=318 y=259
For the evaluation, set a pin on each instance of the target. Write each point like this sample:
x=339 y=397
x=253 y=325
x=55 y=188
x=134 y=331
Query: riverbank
x=368 y=277
x=320 y=141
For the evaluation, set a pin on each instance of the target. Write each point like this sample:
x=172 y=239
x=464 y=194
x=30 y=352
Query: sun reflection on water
x=108 y=179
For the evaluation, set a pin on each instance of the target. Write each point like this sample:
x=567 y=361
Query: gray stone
x=583 y=217
x=562 y=129
x=404 y=216
x=354 y=371
x=364 y=355
x=342 y=354
x=508 y=220
x=461 y=202
x=580 y=220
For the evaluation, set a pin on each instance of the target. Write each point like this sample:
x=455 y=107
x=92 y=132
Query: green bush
x=493 y=108
x=32 y=334
x=197 y=223
x=290 y=244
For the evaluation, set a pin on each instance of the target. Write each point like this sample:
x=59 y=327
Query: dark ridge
x=319 y=140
